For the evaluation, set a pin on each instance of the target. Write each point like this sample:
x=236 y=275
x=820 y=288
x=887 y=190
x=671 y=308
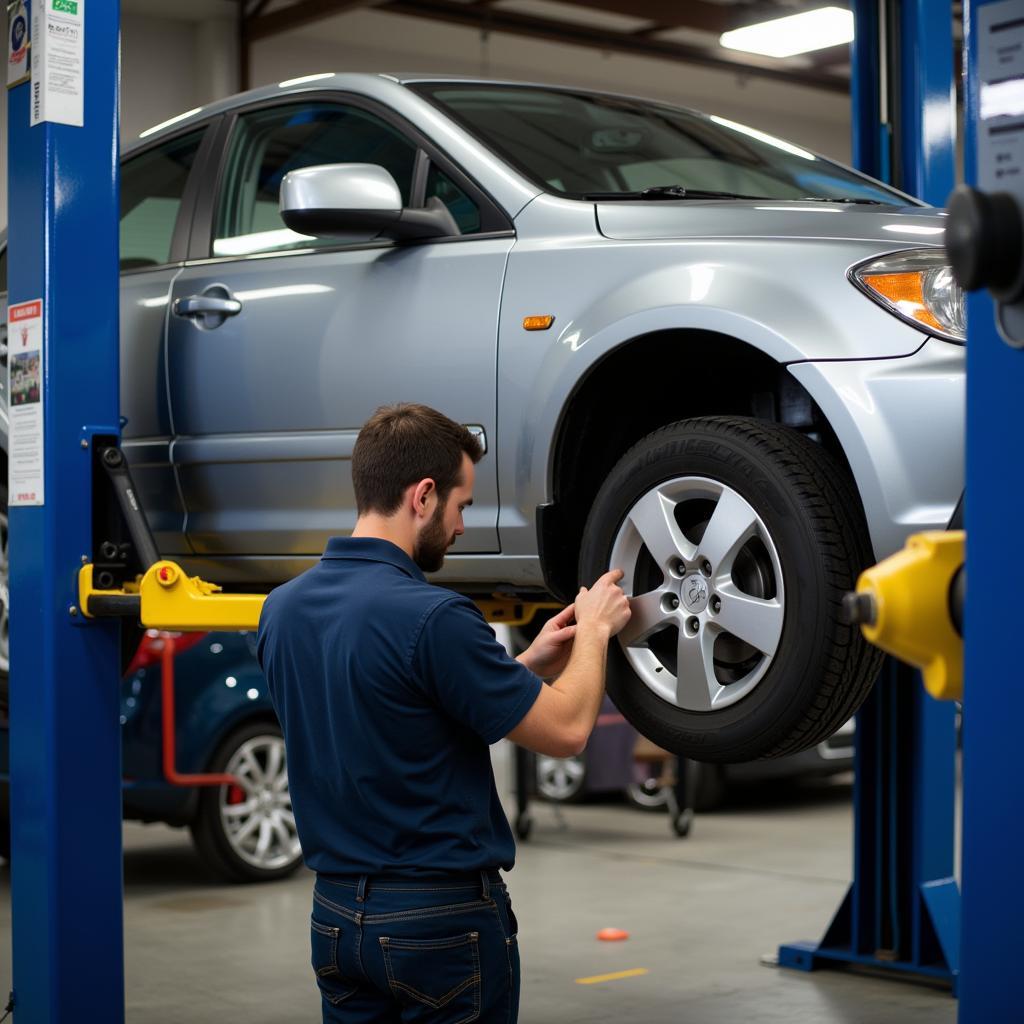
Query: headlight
x=918 y=287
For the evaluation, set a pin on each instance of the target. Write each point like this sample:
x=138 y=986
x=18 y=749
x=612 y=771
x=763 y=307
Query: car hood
x=913 y=225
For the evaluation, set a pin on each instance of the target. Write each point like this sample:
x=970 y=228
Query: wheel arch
x=701 y=373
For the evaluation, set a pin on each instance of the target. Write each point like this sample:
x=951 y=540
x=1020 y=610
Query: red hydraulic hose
x=174 y=777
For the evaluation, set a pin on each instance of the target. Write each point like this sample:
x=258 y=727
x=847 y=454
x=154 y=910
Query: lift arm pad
x=912 y=620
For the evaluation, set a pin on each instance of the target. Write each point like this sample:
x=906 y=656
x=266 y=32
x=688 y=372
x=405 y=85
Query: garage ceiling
x=678 y=30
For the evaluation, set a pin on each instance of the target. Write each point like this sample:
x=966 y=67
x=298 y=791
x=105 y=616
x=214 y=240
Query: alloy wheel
x=707 y=588
x=256 y=814
x=560 y=778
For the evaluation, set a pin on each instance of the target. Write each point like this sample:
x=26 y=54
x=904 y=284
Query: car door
x=280 y=346
x=156 y=192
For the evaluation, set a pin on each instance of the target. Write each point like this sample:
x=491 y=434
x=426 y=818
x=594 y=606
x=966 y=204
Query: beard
x=433 y=543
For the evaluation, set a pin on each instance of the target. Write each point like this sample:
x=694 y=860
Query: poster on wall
x=25 y=403
x=17 y=43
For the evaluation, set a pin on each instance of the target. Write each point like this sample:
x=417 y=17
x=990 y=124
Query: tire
x=249 y=753
x=782 y=521
x=562 y=780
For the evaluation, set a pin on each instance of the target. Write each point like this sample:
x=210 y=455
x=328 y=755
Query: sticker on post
x=17 y=43
x=58 y=61
x=25 y=409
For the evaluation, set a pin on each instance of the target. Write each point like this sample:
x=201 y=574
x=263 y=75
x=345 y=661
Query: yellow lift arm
x=166 y=597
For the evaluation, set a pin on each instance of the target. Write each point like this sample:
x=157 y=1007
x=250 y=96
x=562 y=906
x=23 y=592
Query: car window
x=267 y=144
x=152 y=186
x=460 y=206
x=576 y=144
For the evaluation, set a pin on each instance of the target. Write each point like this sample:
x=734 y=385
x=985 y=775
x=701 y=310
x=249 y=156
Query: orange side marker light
x=537 y=323
x=612 y=935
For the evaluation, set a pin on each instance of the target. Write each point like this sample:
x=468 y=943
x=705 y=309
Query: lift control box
x=985 y=236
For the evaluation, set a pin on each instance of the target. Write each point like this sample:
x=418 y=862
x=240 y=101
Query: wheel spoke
x=263 y=844
x=731 y=525
x=274 y=761
x=654 y=519
x=239 y=810
x=648 y=616
x=246 y=830
x=752 y=619
x=283 y=835
x=696 y=684
x=249 y=767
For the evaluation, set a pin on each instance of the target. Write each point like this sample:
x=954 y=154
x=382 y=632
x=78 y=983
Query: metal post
x=65 y=754
x=993 y=820
x=902 y=909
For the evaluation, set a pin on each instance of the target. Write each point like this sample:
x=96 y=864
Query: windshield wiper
x=667 y=192
x=845 y=199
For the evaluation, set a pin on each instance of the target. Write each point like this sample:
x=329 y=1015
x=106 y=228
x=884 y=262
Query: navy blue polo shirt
x=389 y=690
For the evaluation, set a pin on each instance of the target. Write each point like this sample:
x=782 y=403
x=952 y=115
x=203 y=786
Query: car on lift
x=694 y=351
x=224 y=724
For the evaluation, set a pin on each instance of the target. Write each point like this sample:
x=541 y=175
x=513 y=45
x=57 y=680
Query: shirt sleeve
x=471 y=676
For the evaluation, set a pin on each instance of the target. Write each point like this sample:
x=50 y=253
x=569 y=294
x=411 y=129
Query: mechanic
x=389 y=690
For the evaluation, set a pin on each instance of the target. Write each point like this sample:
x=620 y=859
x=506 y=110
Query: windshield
x=578 y=145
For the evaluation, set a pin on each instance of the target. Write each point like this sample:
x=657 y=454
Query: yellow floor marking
x=597 y=978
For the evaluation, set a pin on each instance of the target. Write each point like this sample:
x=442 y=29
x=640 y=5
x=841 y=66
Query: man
x=389 y=691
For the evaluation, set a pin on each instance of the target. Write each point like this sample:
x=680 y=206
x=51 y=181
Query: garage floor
x=701 y=913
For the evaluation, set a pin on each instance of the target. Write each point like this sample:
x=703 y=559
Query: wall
x=170 y=64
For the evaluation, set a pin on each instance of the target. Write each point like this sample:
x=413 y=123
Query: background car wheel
x=738 y=539
x=709 y=789
x=562 y=779
x=247 y=833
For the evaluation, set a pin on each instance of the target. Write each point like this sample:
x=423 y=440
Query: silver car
x=694 y=351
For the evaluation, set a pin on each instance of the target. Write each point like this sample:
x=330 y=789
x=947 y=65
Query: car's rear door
x=282 y=346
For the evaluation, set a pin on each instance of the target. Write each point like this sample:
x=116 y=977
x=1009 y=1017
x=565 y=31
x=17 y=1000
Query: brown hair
x=400 y=445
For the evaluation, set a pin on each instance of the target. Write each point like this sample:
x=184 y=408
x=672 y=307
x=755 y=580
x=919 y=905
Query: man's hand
x=604 y=605
x=549 y=653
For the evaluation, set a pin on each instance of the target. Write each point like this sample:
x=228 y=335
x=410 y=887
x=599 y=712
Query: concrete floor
x=701 y=913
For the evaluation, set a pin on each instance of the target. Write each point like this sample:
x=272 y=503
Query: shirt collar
x=373 y=549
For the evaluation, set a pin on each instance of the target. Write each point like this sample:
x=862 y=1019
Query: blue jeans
x=438 y=951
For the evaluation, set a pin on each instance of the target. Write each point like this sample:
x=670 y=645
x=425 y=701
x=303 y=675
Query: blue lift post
x=65 y=755
x=993 y=821
x=902 y=911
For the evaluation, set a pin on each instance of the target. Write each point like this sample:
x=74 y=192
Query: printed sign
x=17 y=43
x=25 y=391
x=58 y=61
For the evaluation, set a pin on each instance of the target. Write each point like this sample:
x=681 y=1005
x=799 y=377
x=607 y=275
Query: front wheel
x=737 y=539
x=246 y=832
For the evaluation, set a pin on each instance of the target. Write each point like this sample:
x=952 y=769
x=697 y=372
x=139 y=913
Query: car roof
x=375 y=84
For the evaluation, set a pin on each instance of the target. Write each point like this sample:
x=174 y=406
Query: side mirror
x=357 y=201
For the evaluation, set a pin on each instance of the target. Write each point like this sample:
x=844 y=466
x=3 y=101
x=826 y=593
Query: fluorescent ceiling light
x=169 y=122
x=304 y=79
x=797 y=33
x=770 y=140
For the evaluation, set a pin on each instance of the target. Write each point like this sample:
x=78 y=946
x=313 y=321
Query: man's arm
x=562 y=717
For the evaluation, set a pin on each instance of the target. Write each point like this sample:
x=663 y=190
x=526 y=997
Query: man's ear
x=424 y=497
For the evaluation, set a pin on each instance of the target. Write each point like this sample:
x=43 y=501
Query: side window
x=267 y=144
x=460 y=206
x=151 y=189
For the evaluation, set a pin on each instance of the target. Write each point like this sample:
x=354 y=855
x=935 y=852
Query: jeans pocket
x=324 y=939
x=436 y=980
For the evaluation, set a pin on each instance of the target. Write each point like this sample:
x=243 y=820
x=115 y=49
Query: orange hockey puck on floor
x=612 y=935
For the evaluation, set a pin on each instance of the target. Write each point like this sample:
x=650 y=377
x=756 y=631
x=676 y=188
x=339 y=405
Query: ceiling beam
x=305 y=12
x=493 y=20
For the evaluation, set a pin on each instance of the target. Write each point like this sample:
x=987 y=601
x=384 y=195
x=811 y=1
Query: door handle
x=195 y=305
